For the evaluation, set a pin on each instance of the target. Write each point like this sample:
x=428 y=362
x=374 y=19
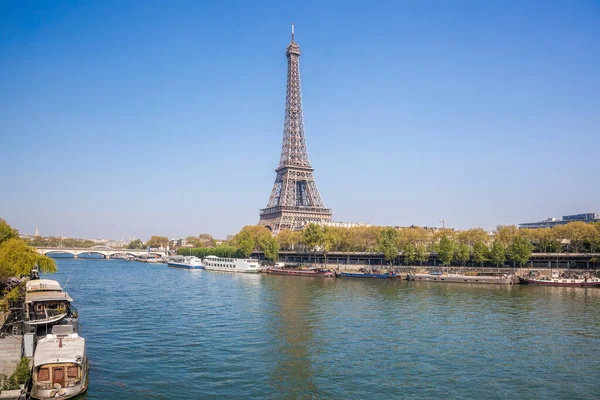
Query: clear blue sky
x=133 y=118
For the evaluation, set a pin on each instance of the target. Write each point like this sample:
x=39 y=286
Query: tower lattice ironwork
x=295 y=199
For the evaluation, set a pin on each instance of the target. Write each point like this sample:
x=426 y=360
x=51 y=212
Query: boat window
x=72 y=372
x=39 y=307
x=43 y=374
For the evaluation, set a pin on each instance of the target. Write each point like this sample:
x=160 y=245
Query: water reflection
x=296 y=299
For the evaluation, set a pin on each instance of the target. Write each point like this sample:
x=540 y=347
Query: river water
x=155 y=332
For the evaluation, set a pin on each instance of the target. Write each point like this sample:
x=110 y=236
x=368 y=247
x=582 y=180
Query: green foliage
x=409 y=254
x=446 y=249
x=223 y=251
x=519 y=250
x=389 y=243
x=136 y=244
x=18 y=377
x=52 y=241
x=312 y=236
x=9 y=383
x=245 y=243
x=288 y=239
x=18 y=259
x=462 y=253
x=14 y=294
x=481 y=253
x=421 y=253
x=22 y=371
x=270 y=246
x=497 y=253
x=7 y=232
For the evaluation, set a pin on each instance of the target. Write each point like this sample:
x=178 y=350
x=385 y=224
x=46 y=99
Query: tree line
x=17 y=259
x=414 y=245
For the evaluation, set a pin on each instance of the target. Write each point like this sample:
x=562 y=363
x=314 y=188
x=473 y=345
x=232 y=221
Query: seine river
x=155 y=332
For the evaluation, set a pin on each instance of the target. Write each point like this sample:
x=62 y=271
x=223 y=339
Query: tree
x=158 y=241
x=388 y=244
x=270 y=246
x=327 y=241
x=206 y=240
x=17 y=259
x=288 y=239
x=312 y=236
x=245 y=243
x=480 y=253
x=519 y=251
x=7 y=231
x=422 y=254
x=409 y=254
x=462 y=253
x=135 y=244
x=446 y=249
x=505 y=234
x=497 y=253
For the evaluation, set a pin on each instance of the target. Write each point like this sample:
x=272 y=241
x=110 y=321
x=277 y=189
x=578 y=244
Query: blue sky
x=133 y=118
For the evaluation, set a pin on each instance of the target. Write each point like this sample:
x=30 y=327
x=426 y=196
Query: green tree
x=136 y=244
x=17 y=259
x=245 y=243
x=446 y=249
x=422 y=254
x=388 y=244
x=288 y=239
x=519 y=251
x=312 y=236
x=6 y=231
x=270 y=246
x=327 y=241
x=480 y=253
x=462 y=253
x=409 y=254
x=497 y=253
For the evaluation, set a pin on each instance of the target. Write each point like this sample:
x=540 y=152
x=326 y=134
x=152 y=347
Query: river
x=155 y=332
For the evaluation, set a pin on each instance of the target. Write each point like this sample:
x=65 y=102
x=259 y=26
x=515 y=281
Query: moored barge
x=60 y=365
x=561 y=280
x=498 y=279
x=299 y=272
x=367 y=273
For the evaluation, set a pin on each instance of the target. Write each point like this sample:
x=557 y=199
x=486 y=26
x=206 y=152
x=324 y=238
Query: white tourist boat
x=214 y=263
x=189 y=262
x=60 y=365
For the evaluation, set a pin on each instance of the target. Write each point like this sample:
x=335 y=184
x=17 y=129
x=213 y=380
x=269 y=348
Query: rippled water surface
x=155 y=332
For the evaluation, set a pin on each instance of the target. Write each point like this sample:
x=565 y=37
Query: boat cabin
x=46 y=303
x=60 y=364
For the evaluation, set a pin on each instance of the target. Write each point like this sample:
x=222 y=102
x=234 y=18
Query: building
x=550 y=222
x=295 y=199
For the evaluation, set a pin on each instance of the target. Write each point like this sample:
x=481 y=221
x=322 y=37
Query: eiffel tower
x=295 y=199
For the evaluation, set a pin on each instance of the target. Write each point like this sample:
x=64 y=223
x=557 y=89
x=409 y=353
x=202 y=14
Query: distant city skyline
x=119 y=120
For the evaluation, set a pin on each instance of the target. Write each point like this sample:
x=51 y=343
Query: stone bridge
x=106 y=252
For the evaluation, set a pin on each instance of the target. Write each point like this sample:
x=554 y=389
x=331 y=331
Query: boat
x=60 y=365
x=189 y=262
x=490 y=278
x=368 y=273
x=558 y=279
x=247 y=265
x=299 y=272
x=46 y=304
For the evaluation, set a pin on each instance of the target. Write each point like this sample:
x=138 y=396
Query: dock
x=10 y=353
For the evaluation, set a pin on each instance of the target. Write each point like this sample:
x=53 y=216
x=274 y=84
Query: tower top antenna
x=292 y=31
